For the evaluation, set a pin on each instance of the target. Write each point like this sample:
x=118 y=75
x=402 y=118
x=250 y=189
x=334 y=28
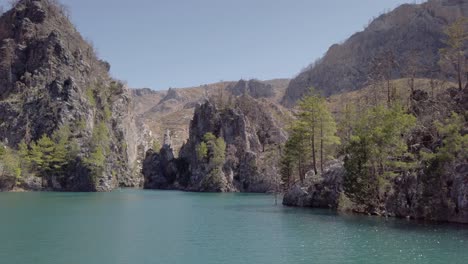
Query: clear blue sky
x=179 y=43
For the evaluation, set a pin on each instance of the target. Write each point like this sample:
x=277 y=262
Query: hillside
x=370 y=95
x=409 y=36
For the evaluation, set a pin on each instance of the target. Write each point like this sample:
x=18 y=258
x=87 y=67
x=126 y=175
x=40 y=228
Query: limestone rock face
x=50 y=77
x=252 y=137
x=346 y=67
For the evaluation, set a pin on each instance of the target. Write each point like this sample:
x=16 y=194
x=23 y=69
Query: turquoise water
x=133 y=226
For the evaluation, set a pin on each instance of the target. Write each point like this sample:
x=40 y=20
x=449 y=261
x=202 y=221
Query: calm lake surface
x=135 y=226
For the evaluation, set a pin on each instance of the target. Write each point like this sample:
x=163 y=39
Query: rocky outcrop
x=318 y=191
x=50 y=78
x=162 y=170
x=252 y=139
x=408 y=32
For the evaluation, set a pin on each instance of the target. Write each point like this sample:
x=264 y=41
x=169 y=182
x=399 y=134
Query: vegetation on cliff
x=404 y=153
x=59 y=107
x=212 y=152
x=312 y=139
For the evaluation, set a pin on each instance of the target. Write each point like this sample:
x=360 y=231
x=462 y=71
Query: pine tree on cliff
x=375 y=152
x=312 y=138
x=320 y=127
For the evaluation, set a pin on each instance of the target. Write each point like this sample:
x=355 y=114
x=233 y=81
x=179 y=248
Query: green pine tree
x=375 y=152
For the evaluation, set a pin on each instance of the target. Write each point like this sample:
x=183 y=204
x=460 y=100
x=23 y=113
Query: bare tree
x=374 y=81
x=382 y=71
x=388 y=66
x=413 y=67
x=453 y=56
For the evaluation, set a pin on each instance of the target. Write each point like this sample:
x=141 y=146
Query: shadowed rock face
x=46 y=71
x=252 y=137
x=407 y=31
x=319 y=191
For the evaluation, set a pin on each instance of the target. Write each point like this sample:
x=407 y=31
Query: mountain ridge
x=408 y=29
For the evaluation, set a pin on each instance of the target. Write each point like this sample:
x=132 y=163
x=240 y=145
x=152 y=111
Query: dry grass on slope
x=377 y=94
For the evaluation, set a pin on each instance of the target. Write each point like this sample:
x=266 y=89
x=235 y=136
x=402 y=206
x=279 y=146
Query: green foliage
x=215 y=149
x=383 y=129
x=295 y=156
x=97 y=158
x=375 y=151
x=320 y=126
x=23 y=152
x=60 y=155
x=214 y=181
x=287 y=165
x=202 y=151
x=107 y=113
x=312 y=139
x=101 y=137
x=346 y=123
x=218 y=152
x=156 y=145
x=80 y=124
x=48 y=156
x=90 y=95
x=212 y=150
x=100 y=147
x=42 y=154
x=73 y=149
x=454 y=144
x=209 y=137
x=361 y=186
x=9 y=163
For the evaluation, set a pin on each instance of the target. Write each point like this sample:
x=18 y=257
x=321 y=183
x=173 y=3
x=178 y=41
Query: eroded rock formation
x=252 y=137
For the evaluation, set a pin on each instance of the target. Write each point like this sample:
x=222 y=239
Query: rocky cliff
x=50 y=78
x=251 y=137
x=409 y=36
